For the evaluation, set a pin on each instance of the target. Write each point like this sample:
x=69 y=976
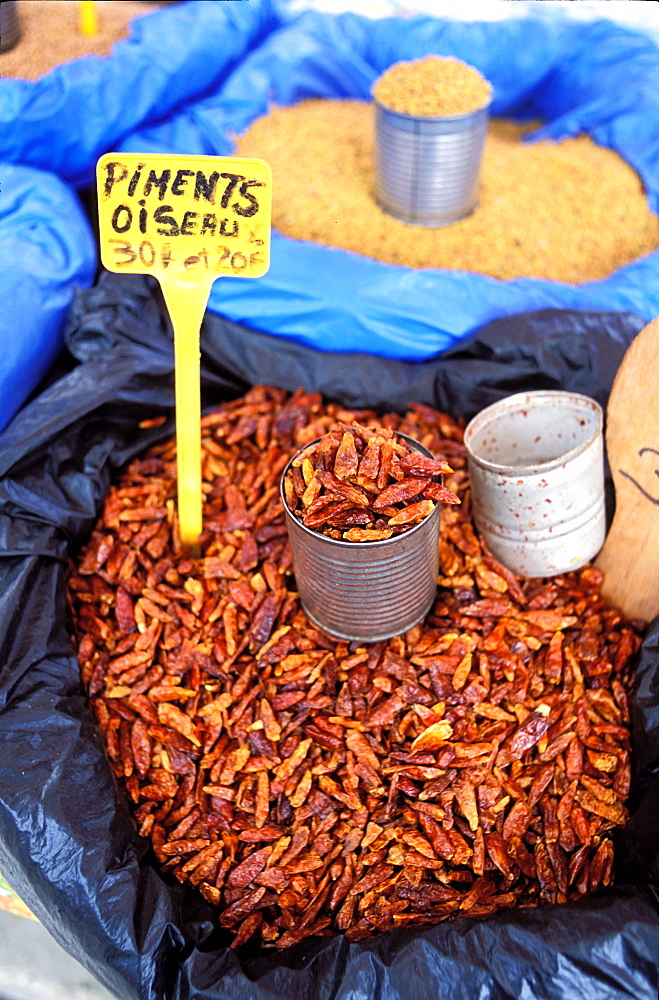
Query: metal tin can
x=428 y=169
x=10 y=28
x=366 y=591
x=536 y=464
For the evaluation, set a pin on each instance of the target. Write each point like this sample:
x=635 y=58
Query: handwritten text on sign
x=186 y=216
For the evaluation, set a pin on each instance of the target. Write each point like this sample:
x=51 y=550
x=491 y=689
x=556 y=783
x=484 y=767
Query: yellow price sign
x=186 y=220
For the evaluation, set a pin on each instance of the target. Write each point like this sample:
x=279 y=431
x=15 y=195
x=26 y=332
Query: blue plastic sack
x=66 y=119
x=599 y=78
x=195 y=74
x=60 y=125
x=46 y=252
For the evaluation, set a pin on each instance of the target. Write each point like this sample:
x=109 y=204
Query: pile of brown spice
x=306 y=785
x=435 y=86
x=50 y=33
x=568 y=211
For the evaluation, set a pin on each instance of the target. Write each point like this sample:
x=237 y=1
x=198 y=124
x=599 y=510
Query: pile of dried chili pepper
x=310 y=786
x=364 y=484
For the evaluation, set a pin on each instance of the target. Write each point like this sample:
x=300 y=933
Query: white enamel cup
x=536 y=463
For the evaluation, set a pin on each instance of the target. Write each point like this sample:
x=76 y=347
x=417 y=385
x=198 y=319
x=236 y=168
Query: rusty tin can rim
x=371 y=544
x=515 y=401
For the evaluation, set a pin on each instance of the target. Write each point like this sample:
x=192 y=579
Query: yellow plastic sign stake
x=186 y=220
x=186 y=304
x=88 y=18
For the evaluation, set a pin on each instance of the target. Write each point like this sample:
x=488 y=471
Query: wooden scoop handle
x=630 y=555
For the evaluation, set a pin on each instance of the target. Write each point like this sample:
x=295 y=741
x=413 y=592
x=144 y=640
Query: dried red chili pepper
x=354 y=478
x=305 y=786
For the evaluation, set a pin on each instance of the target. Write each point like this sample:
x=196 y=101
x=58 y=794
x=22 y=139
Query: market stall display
x=211 y=692
x=126 y=379
x=544 y=211
x=227 y=63
x=476 y=761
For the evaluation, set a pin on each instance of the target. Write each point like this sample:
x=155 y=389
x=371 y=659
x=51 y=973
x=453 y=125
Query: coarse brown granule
x=433 y=87
x=567 y=211
x=50 y=34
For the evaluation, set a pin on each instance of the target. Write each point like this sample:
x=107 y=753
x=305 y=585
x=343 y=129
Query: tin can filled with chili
x=362 y=511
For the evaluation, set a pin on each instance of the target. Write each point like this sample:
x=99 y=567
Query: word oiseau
x=139 y=188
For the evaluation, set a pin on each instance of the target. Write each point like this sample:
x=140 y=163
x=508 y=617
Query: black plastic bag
x=67 y=842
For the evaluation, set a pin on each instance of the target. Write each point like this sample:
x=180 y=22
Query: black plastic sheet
x=67 y=842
